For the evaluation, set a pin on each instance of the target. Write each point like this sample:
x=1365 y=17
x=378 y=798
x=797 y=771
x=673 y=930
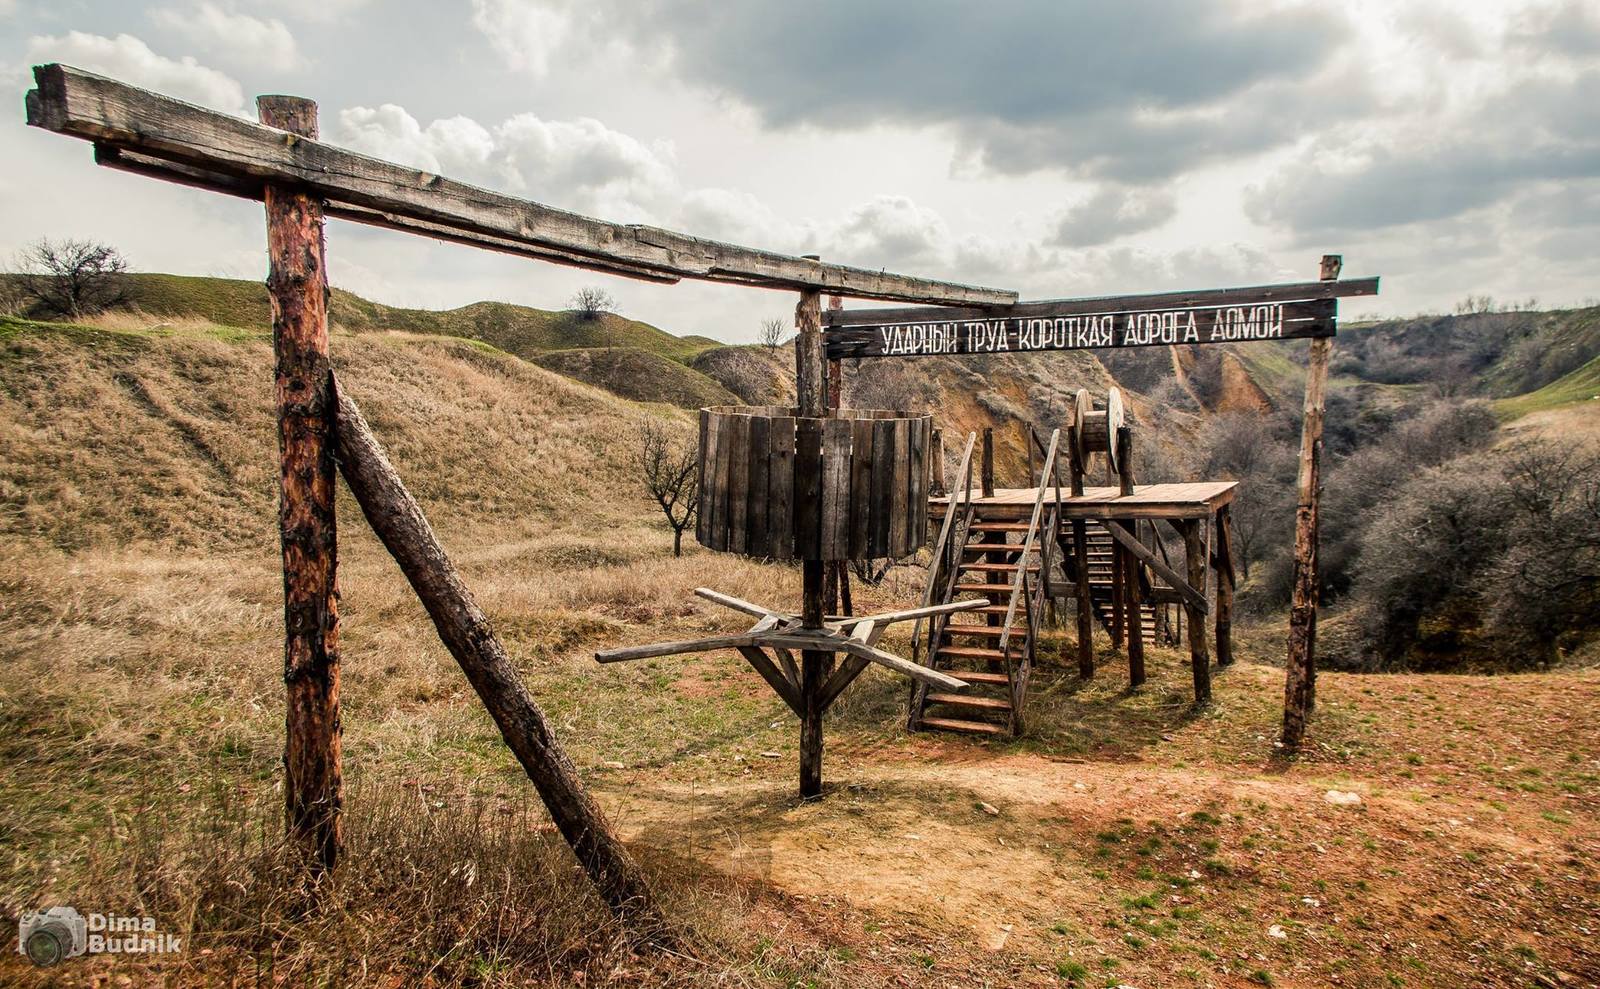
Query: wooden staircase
x=990 y=648
x=1152 y=617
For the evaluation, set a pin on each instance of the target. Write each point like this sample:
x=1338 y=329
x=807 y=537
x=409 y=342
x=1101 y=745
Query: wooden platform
x=1192 y=500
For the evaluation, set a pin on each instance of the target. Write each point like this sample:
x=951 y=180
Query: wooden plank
x=710 y=483
x=738 y=484
x=899 y=519
x=780 y=684
x=917 y=497
x=780 y=489
x=712 y=643
x=860 y=487
x=759 y=459
x=124 y=160
x=1112 y=304
x=808 y=489
x=738 y=604
x=811 y=641
x=702 y=514
x=80 y=104
x=882 y=485
x=836 y=489
x=1157 y=328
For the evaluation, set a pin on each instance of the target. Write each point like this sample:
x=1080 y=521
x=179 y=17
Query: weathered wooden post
x=1194 y=552
x=297 y=284
x=1080 y=552
x=815 y=664
x=1130 y=564
x=986 y=472
x=1225 y=584
x=1300 y=682
x=936 y=485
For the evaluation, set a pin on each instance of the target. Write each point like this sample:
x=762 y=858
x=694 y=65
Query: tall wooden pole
x=1194 y=553
x=1133 y=612
x=1080 y=551
x=1225 y=583
x=834 y=575
x=815 y=664
x=1300 y=683
x=297 y=284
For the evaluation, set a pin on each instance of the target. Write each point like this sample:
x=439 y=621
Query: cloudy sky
x=1058 y=147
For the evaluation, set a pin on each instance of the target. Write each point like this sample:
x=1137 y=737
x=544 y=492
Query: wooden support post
x=465 y=630
x=1080 y=552
x=1194 y=551
x=1225 y=582
x=937 y=486
x=297 y=284
x=1133 y=612
x=986 y=474
x=815 y=664
x=1300 y=679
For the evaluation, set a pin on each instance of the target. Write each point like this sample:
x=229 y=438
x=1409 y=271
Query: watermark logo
x=49 y=936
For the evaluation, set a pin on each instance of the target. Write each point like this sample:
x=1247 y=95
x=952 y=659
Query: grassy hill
x=117 y=436
x=638 y=375
x=1575 y=387
x=518 y=330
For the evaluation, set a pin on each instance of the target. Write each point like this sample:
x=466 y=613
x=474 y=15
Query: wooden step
x=970 y=652
x=999 y=549
x=983 y=588
x=990 y=609
x=975 y=703
x=957 y=724
x=996 y=567
x=999 y=527
x=983 y=631
x=978 y=676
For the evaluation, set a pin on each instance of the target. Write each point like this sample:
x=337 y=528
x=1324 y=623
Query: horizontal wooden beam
x=1034 y=334
x=1108 y=304
x=651 y=651
x=806 y=639
x=114 y=114
x=245 y=188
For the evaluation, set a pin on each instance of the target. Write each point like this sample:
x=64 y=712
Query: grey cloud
x=1571 y=28
x=1113 y=212
x=1131 y=90
x=1540 y=130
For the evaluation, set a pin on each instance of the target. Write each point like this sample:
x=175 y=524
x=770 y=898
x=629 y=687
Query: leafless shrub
x=72 y=278
x=771 y=333
x=591 y=302
x=671 y=473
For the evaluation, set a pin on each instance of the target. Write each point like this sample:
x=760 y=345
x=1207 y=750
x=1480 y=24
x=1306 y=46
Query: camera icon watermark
x=51 y=936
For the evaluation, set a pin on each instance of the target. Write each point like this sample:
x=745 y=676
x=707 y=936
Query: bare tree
x=671 y=473
x=73 y=278
x=771 y=333
x=591 y=301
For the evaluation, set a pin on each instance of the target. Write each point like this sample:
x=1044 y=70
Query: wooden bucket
x=776 y=485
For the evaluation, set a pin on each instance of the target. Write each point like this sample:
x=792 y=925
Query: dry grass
x=141 y=731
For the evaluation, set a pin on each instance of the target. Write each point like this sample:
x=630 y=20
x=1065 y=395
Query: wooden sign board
x=1268 y=312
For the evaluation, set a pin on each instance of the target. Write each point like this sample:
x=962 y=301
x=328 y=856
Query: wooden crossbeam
x=114 y=114
x=803 y=639
x=708 y=644
x=1179 y=584
x=852 y=667
x=1212 y=298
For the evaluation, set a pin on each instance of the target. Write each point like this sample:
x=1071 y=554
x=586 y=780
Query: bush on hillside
x=1492 y=555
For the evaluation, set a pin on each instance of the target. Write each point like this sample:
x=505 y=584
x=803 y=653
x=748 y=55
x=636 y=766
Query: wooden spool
x=777 y=485
x=1097 y=431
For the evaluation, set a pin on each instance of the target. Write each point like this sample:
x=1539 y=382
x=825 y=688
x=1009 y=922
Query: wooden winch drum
x=1097 y=431
x=778 y=485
